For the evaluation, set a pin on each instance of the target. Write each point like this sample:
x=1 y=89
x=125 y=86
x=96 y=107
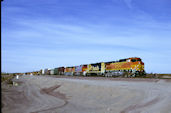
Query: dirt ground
x=47 y=94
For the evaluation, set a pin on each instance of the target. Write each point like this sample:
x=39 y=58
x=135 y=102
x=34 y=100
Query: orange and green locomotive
x=124 y=67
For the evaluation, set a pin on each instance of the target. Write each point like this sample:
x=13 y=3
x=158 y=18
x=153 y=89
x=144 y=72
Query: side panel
x=137 y=66
x=84 y=68
x=46 y=71
x=78 y=68
x=94 y=68
x=61 y=70
x=52 y=72
x=97 y=68
x=56 y=71
x=118 y=66
x=42 y=71
x=102 y=67
x=49 y=71
x=69 y=70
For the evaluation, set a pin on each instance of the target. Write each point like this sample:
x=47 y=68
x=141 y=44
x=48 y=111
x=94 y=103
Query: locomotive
x=123 y=67
x=128 y=67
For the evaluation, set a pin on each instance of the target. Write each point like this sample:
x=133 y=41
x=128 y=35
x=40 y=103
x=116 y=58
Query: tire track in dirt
x=13 y=96
x=138 y=106
x=57 y=94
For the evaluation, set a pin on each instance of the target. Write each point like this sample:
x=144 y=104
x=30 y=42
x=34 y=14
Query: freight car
x=42 y=71
x=59 y=71
x=80 y=70
x=46 y=71
x=51 y=71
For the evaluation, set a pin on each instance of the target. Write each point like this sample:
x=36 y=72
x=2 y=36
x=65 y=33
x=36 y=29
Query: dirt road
x=43 y=94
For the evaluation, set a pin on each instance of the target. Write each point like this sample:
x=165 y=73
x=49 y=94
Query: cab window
x=133 y=60
x=138 y=59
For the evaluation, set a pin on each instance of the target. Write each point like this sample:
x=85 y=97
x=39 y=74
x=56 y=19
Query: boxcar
x=55 y=71
x=42 y=72
x=80 y=70
x=51 y=71
x=61 y=70
x=46 y=71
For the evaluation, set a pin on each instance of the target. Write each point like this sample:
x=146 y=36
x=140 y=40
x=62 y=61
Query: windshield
x=133 y=60
x=138 y=59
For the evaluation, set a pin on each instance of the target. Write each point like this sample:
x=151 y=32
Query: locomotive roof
x=121 y=60
x=135 y=57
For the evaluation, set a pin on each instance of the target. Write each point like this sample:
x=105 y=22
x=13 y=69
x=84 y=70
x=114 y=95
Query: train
x=127 y=67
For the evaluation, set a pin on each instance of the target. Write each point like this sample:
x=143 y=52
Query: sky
x=39 y=34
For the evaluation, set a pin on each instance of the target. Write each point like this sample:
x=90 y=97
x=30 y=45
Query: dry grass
x=165 y=76
x=6 y=77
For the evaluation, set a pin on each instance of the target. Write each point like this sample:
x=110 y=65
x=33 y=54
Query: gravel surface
x=50 y=94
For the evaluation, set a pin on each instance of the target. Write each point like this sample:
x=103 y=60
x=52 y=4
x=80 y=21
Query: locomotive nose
x=142 y=63
x=142 y=66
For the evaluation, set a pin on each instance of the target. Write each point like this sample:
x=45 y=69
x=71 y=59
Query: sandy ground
x=43 y=94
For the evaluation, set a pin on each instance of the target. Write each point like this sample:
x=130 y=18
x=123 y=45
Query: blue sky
x=40 y=34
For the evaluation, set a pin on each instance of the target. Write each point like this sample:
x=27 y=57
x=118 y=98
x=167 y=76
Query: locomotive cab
x=137 y=65
x=136 y=60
